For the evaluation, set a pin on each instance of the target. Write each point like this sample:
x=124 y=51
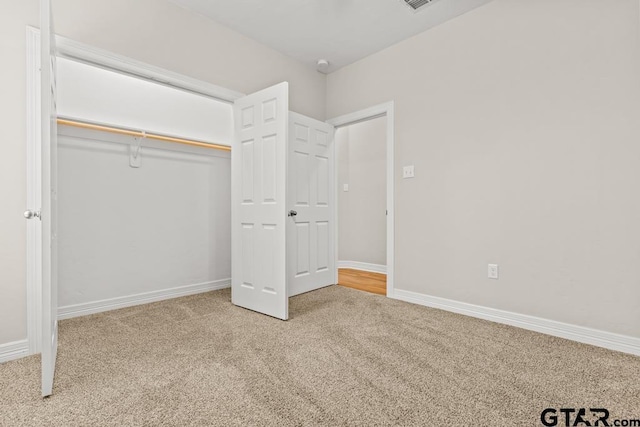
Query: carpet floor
x=344 y=358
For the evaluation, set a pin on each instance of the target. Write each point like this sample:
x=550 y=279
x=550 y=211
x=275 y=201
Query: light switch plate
x=345 y=187
x=408 y=172
x=493 y=271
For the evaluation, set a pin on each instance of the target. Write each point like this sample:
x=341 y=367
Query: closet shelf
x=141 y=134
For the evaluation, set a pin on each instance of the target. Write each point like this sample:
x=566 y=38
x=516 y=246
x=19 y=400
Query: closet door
x=310 y=229
x=258 y=202
x=49 y=208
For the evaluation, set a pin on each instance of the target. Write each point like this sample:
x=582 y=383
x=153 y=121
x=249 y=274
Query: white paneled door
x=310 y=226
x=258 y=202
x=49 y=208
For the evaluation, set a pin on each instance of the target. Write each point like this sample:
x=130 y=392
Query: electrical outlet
x=493 y=271
x=407 y=172
x=345 y=187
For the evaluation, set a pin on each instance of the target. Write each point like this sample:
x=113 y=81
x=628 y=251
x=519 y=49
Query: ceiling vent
x=417 y=4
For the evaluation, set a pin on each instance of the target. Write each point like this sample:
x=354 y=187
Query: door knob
x=293 y=213
x=29 y=214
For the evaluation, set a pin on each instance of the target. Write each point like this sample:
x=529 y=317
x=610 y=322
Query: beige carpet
x=345 y=358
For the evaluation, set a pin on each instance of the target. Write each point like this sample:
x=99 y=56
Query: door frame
x=381 y=110
x=77 y=51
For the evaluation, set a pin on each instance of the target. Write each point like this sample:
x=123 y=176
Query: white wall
x=153 y=31
x=361 y=210
x=521 y=118
x=160 y=33
x=93 y=94
x=125 y=231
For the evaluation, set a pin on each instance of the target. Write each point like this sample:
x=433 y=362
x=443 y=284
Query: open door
x=49 y=208
x=258 y=202
x=310 y=230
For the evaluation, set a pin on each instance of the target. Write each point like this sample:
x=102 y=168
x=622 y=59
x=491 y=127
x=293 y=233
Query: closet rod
x=138 y=134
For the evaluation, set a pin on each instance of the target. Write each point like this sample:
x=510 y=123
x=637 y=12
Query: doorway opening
x=80 y=139
x=364 y=143
x=362 y=247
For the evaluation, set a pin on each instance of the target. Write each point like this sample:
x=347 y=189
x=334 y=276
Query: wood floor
x=363 y=280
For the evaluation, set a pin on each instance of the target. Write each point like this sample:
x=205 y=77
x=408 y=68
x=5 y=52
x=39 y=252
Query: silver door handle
x=293 y=213
x=29 y=214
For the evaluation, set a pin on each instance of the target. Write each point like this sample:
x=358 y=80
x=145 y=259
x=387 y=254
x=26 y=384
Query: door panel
x=49 y=208
x=258 y=171
x=303 y=256
x=322 y=231
x=310 y=232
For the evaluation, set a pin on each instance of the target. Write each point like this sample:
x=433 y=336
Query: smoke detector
x=418 y=4
x=322 y=66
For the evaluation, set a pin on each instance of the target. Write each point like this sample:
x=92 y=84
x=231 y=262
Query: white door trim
x=382 y=110
x=34 y=231
x=101 y=58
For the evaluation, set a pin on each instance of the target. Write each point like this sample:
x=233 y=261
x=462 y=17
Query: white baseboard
x=14 y=350
x=84 y=309
x=364 y=266
x=581 y=334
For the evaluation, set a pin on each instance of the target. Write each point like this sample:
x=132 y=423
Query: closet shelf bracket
x=135 y=151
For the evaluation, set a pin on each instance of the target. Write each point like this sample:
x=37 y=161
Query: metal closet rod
x=121 y=131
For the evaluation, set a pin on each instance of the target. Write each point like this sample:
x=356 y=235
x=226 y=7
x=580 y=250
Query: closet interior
x=144 y=190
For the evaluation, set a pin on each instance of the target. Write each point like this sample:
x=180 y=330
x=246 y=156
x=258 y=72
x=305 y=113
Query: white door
x=258 y=202
x=310 y=228
x=48 y=211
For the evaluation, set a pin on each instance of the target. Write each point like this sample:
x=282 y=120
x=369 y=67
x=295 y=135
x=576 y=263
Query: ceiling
x=340 y=31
